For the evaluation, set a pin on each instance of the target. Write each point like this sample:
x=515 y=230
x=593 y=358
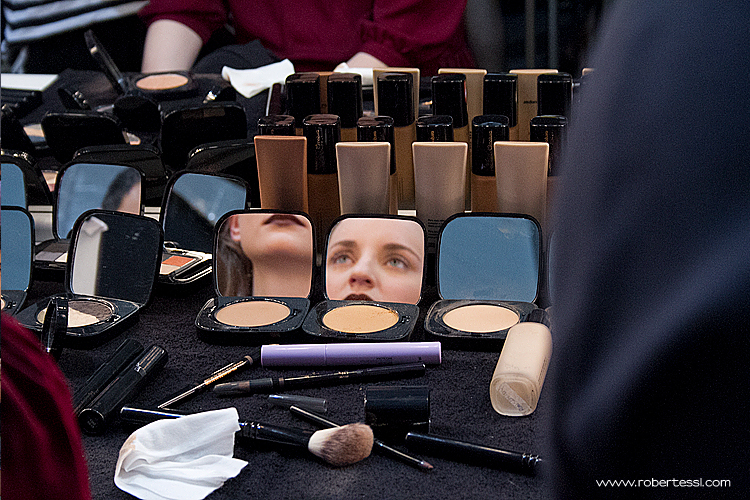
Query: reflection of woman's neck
x=282 y=277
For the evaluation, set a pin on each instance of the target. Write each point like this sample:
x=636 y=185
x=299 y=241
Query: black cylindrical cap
x=395 y=97
x=500 y=96
x=550 y=129
x=449 y=97
x=378 y=129
x=322 y=131
x=302 y=95
x=554 y=92
x=345 y=97
x=393 y=411
x=435 y=128
x=276 y=125
x=486 y=130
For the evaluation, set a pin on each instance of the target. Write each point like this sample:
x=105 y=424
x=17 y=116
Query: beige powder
x=82 y=313
x=161 y=82
x=480 y=318
x=360 y=318
x=252 y=313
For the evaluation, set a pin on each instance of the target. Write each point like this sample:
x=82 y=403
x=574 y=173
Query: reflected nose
x=361 y=276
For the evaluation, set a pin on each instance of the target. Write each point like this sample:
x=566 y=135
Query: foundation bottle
x=415 y=78
x=380 y=129
x=322 y=132
x=344 y=92
x=396 y=99
x=554 y=93
x=449 y=98
x=435 y=128
x=501 y=98
x=302 y=97
x=550 y=129
x=521 y=176
x=282 y=171
x=276 y=125
x=363 y=173
x=486 y=130
x=522 y=366
x=527 y=98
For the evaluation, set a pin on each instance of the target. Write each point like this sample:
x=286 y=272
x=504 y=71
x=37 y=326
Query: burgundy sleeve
x=42 y=454
x=202 y=16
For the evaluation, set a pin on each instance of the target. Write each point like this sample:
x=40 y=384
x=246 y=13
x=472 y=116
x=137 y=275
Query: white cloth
x=366 y=73
x=180 y=459
x=250 y=82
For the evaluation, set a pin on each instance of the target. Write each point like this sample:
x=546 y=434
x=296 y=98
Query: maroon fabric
x=42 y=455
x=316 y=35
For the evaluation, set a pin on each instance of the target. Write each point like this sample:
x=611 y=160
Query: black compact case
x=18 y=243
x=263 y=263
x=110 y=273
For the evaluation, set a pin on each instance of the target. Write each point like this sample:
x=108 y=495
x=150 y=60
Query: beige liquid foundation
x=527 y=98
x=380 y=129
x=487 y=129
x=521 y=176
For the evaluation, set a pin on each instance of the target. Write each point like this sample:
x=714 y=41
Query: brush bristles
x=342 y=445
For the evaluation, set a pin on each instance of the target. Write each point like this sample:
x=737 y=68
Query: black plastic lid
x=449 y=97
x=554 y=92
x=276 y=125
x=393 y=411
x=378 y=129
x=322 y=131
x=302 y=95
x=345 y=97
x=395 y=97
x=550 y=129
x=501 y=96
x=435 y=128
x=487 y=129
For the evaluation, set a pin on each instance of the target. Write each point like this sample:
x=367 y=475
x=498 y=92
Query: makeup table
x=460 y=409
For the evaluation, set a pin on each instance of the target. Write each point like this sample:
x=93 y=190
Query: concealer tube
x=276 y=125
x=527 y=98
x=396 y=99
x=449 y=98
x=282 y=171
x=554 y=93
x=364 y=176
x=522 y=367
x=435 y=128
x=380 y=129
x=322 y=131
x=439 y=177
x=487 y=129
x=501 y=98
x=302 y=97
x=345 y=100
x=415 y=78
x=521 y=176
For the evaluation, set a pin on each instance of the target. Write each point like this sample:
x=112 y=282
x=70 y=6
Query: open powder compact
x=263 y=272
x=18 y=245
x=168 y=85
x=373 y=273
x=110 y=274
x=488 y=268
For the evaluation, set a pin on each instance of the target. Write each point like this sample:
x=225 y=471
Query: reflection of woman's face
x=375 y=259
x=265 y=236
x=131 y=202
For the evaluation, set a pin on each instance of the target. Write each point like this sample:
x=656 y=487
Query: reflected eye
x=340 y=258
x=397 y=262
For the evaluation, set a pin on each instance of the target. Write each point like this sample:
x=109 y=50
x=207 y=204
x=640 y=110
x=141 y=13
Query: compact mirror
x=36 y=190
x=233 y=157
x=66 y=133
x=488 y=277
x=192 y=205
x=263 y=263
x=373 y=274
x=13 y=185
x=18 y=245
x=111 y=272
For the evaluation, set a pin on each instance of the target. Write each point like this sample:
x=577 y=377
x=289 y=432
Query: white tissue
x=250 y=82
x=366 y=73
x=180 y=459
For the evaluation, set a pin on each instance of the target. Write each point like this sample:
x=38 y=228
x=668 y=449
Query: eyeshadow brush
x=378 y=445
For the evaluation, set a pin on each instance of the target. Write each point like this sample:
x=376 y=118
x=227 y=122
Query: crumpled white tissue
x=366 y=73
x=250 y=82
x=180 y=459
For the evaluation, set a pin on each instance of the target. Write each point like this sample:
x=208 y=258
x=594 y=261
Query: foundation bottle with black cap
x=501 y=98
x=380 y=129
x=550 y=129
x=344 y=92
x=302 y=97
x=435 y=128
x=527 y=98
x=322 y=132
x=487 y=129
x=554 y=94
x=276 y=125
x=396 y=99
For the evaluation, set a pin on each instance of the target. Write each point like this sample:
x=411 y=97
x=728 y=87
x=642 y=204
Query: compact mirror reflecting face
x=194 y=203
x=372 y=258
x=489 y=258
x=115 y=256
x=17 y=244
x=86 y=186
x=268 y=254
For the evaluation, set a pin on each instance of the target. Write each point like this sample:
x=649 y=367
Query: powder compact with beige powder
x=111 y=271
x=169 y=85
x=488 y=268
x=373 y=273
x=263 y=263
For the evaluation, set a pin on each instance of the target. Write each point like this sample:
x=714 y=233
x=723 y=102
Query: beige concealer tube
x=282 y=171
x=364 y=176
x=527 y=98
x=439 y=179
x=521 y=177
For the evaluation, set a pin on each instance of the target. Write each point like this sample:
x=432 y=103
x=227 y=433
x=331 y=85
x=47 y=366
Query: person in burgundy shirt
x=315 y=35
x=42 y=454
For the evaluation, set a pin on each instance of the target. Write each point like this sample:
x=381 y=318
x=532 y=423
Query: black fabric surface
x=460 y=409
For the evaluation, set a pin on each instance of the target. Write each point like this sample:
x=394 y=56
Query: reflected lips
x=283 y=219
x=358 y=296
